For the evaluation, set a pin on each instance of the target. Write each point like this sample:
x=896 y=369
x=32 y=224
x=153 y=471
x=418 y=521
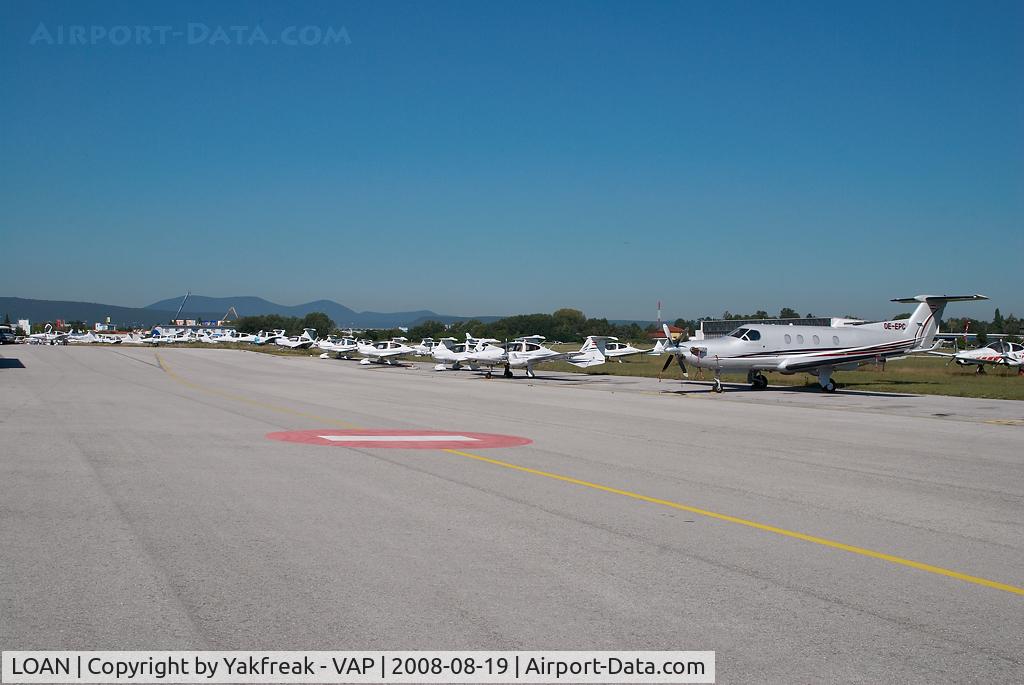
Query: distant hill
x=248 y=305
x=89 y=312
x=210 y=309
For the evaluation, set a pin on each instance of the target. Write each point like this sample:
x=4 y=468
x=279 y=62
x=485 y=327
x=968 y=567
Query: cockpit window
x=746 y=334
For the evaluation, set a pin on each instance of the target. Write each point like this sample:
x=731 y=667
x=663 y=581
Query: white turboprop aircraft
x=383 y=352
x=817 y=350
x=999 y=353
x=527 y=352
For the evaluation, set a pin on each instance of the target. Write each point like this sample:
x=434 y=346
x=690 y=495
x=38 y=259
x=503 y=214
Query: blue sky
x=486 y=158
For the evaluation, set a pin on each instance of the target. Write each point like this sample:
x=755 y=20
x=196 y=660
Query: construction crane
x=183 y=301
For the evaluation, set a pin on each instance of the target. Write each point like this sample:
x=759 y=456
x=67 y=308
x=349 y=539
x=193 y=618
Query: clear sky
x=496 y=158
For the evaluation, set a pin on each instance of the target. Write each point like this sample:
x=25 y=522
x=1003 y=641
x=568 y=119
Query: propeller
x=673 y=350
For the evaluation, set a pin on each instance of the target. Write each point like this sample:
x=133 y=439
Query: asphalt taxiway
x=804 y=537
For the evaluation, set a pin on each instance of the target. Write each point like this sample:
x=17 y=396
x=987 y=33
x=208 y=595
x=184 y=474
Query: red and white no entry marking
x=400 y=439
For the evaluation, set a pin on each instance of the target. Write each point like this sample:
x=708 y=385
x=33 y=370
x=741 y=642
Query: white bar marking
x=398 y=438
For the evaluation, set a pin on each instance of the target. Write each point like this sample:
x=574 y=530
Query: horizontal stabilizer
x=939 y=298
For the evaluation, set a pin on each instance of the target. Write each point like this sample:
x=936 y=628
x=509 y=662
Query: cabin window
x=789 y=338
x=800 y=339
x=817 y=340
x=835 y=339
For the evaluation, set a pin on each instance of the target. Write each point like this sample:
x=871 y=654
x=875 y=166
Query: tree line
x=570 y=325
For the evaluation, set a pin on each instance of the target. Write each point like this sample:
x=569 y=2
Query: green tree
x=427 y=329
x=998 y=322
x=318 y=320
x=788 y=313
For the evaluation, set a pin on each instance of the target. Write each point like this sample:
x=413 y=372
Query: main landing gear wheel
x=758 y=382
x=716 y=386
x=508 y=372
x=830 y=386
x=488 y=374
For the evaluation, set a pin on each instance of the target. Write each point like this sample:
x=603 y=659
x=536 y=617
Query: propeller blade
x=669 y=361
x=682 y=365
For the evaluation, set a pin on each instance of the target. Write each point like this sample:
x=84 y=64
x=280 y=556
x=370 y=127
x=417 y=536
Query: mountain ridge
x=211 y=309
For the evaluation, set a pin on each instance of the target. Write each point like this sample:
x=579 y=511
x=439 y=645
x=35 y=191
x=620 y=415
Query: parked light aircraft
x=999 y=353
x=817 y=350
x=298 y=342
x=384 y=352
x=82 y=338
x=232 y=336
x=613 y=349
x=426 y=346
x=447 y=351
x=48 y=337
x=264 y=338
x=157 y=337
x=527 y=352
x=341 y=348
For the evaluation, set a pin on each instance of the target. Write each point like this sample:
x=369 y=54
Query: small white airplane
x=82 y=338
x=447 y=351
x=262 y=338
x=157 y=337
x=233 y=336
x=341 y=348
x=383 y=352
x=47 y=337
x=998 y=353
x=298 y=342
x=426 y=346
x=527 y=352
x=613 y=349
x=817 y=350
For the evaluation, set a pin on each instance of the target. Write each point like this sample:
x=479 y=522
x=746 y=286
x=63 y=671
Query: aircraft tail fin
x=924 y=322
x=591 y=354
